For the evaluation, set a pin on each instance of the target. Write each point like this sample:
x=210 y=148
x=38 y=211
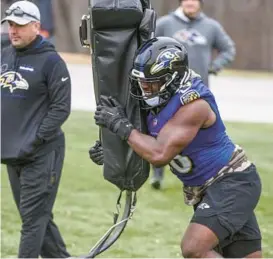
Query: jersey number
x=181 y=164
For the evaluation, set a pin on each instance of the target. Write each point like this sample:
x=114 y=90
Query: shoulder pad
x=189 y=96
x=191 y=90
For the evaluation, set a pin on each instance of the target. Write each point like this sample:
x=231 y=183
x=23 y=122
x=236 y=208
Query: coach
x=36 y=97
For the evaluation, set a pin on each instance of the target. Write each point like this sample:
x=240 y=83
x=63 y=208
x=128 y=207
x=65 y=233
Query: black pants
x=227 y=208
x=34 y=186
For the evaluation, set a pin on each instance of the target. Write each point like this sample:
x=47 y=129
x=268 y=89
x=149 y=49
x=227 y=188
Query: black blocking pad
x=118 y=27
x=119 y=14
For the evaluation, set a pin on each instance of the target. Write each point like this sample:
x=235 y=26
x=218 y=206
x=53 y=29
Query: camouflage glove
x=96 y=153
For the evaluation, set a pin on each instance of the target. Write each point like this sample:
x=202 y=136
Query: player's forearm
x=148 y=148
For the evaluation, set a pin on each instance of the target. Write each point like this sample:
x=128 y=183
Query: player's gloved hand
x=110 y=114
x=213 y=71
x=96 y=153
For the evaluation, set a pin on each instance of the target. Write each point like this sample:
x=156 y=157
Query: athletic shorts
x=227 y=208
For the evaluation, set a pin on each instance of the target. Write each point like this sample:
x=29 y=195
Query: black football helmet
x=159 y=68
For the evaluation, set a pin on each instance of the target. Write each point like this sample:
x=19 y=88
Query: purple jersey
x=209 y=151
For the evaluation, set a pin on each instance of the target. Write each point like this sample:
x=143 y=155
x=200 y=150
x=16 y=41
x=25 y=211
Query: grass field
x=83 y=210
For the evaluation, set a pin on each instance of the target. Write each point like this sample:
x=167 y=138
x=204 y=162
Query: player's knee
x=191 y=250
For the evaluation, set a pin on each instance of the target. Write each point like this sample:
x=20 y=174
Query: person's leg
x=157 y=177
x=243 y=249
x=247 y=242
x=39 y=185
x=199 y=242
x=225 y=208
x=53 y=245
x=205 y=232
x=14 y=179
x=257 y=254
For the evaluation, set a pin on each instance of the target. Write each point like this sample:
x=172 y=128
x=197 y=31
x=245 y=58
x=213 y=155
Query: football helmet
x=159 y=68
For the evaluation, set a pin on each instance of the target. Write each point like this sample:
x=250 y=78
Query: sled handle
x=114 y=232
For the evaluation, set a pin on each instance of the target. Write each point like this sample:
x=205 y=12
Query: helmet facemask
x=158 y=67
x=153 y=92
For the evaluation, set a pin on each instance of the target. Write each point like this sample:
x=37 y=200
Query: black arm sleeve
x=59 y=90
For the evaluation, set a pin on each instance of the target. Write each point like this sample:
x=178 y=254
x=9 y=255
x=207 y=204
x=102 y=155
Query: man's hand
x=111 y=115
x=213 y=71
x=96 y=153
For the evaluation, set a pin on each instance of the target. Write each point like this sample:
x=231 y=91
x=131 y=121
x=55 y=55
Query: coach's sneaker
x=157 y=178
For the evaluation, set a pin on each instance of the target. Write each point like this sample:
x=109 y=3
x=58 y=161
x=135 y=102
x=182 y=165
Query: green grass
x=85 y=202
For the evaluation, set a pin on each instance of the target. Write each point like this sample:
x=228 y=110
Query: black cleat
x=156 y=185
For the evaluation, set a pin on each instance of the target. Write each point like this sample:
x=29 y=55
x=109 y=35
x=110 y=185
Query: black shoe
x=156 y=182
x=156 y=185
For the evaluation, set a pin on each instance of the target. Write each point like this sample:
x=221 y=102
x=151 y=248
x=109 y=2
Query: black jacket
x=35 y=100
